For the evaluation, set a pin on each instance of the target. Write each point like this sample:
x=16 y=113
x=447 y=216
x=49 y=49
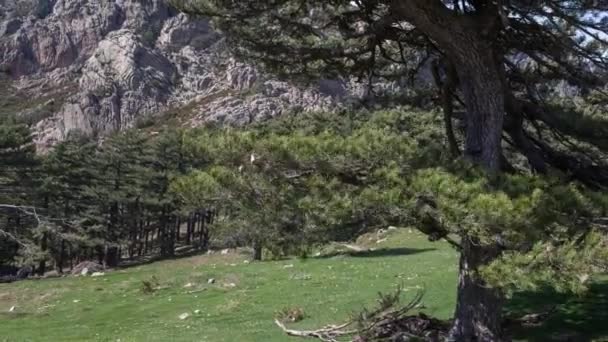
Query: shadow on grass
x=14 y=315
x=381 y=252
x=575 y=318
x=150 y=259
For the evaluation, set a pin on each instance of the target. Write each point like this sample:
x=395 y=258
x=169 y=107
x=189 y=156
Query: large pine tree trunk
x=478 y=314
x=468 y=41
x=481 y=84
x=478 y=308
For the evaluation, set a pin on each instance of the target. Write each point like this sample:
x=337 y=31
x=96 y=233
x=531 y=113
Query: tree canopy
x=499 y=62
x=529 y=48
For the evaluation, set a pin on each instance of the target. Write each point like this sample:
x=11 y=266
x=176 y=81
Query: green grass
x=328 y=289
x=113 y=306
x=582 y=318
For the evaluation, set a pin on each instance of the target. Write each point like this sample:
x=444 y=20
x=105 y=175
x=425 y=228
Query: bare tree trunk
x=177 y=233
x=478 y=314
x=446 y=90
x=485 y=108
x=61 y=255
x=71 y=257
x=189 y=230
x=147 y=239
x=140 y=238
x=100 y=254
x=112 y=256
x=43 y=247
x=201 y=237
x=257 y=251
x=478 y=308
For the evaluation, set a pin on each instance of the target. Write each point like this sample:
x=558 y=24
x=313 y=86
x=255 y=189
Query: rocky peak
x=105 y=65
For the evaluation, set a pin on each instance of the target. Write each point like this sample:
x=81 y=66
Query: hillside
x=239 y=306
x=245 y=297
x=99 y=66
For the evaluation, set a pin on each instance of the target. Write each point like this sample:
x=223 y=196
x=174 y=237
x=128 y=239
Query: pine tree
x=18 y=216
x=66 y=171
x=117 y=192
x=497 y=59
x=170 y=159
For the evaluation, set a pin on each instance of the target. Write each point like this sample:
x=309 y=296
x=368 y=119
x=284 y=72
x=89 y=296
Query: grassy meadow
x=241 y=303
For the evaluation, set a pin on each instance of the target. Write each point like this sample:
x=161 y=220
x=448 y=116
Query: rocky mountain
x=103 y=65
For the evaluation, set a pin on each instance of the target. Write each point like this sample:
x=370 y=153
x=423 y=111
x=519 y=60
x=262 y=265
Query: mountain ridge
x=105 y=65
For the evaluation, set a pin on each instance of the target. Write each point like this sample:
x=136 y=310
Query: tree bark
x=480 y=82
x=257 y=251
x=203 y=237
x=467 y=41
x=61 y=254
x=189 y=230
x=478 y=308
x=478 y=314
x=446 y=90
x=43 y=247
x=112 y=256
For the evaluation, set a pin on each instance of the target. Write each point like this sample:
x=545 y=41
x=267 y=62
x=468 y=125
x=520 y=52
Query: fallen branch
x=330 y=333
x=30 y=211
x=384 y=323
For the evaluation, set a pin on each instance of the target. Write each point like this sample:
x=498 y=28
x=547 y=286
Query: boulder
x=87 y=267
x=24 y=273
x=52 y=274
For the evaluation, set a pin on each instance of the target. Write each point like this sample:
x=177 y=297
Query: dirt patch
x=231 y=280
x=229 y=306
x=203 y=260
x=7 y=299
x=5 y=296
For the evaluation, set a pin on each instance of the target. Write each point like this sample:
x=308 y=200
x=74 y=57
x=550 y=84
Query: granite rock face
x=114 y=63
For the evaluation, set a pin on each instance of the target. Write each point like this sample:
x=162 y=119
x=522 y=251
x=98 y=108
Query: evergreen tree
x=497 y=58
x=116 y=192
x=170 y=158
x=65 y=173
x=18 y=215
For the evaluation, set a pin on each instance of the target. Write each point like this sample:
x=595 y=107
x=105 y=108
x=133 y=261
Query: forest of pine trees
x=280 y=188
x=89 y=201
